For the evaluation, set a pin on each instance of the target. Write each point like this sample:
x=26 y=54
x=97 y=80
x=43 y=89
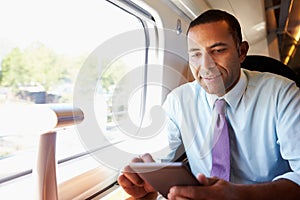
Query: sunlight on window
x=43 y=45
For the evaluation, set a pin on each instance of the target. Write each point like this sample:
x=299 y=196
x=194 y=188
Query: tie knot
x=220 y=105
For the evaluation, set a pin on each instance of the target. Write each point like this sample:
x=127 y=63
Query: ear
x=243 y=50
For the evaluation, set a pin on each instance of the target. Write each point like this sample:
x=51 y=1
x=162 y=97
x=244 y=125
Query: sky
x=64 y=25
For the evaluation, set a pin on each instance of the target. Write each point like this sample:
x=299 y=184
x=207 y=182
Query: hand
x=133 y=184
x=213 y=188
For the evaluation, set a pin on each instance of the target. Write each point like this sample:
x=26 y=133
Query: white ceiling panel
x=253 y=25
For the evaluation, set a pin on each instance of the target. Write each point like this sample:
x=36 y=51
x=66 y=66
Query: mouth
x=211 y=78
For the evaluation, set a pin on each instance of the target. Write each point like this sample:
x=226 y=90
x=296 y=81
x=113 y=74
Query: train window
x=45 y=48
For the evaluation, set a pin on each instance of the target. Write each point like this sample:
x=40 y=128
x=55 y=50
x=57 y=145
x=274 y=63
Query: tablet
x=162 y=176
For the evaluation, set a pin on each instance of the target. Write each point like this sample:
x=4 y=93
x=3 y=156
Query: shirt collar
x=233 y=96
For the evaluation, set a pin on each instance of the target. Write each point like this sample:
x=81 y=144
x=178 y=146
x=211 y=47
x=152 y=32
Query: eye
x=219 y=51
x=195 y=54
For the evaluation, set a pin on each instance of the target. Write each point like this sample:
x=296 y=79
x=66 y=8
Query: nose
x=207 y=64
x=207 y=61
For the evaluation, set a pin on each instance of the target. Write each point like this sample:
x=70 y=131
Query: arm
x=219 y=189
x=279 y=189
x=132 y=183
x=288 y=130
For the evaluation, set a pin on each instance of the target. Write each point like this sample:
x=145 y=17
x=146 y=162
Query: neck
x=233 y=84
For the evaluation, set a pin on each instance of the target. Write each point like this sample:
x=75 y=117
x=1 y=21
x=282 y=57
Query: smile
x=210 y=78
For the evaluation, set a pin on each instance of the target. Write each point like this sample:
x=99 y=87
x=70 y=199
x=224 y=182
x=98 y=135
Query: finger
x=124 y=182
x=135 y=191
x=205 y=180
x=147 y=158
x=182 y=192
x=202 y=179
x=137 y=159
x=181 y=198
x=172 y=197
x=127 y=169
x=212 y=180
x=133 y=177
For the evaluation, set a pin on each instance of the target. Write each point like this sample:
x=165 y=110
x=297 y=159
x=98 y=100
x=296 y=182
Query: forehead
x=205 y=35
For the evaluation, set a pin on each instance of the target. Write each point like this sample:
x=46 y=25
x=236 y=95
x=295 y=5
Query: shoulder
x=267 y=80
x=182 y=95
x=271 y=89
x=184 y=89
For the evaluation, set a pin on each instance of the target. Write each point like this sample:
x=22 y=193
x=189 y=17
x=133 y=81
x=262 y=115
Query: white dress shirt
x=264 y=119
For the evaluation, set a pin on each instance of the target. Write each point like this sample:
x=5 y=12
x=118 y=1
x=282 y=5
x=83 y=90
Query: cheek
x=232 y=65
x=194 y=71
x=232 y=74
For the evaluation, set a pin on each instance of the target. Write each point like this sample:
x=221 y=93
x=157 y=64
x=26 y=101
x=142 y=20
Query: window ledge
x=87 y=184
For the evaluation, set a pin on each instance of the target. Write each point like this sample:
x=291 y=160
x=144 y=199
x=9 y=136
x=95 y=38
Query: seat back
x=268 y=64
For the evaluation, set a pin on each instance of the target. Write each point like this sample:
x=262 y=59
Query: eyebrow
x=212 y=46
x=218 y=44
x=193 y=49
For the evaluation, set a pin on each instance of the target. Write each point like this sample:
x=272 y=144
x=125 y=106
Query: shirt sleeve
x=288 y=130
x=170 y=107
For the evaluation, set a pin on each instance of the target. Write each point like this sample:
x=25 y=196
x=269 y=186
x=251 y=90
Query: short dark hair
x=219 y=15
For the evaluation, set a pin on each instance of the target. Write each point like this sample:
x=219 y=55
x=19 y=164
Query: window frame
x=142 y=15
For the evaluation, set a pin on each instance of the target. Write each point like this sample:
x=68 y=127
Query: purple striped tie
x=221 y=148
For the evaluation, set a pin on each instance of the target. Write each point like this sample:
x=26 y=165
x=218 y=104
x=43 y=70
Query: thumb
x=206 y=181
x=203 y=179
x=147 y=157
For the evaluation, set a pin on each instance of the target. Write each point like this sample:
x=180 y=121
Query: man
x=263 y=115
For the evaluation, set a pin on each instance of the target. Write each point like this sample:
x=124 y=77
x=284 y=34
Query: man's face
x=214 y=57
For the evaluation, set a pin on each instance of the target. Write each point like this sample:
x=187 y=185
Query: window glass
x=43 y=47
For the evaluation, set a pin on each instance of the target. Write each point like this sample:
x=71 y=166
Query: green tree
x=112 y=74
x=14 y=70
x=37 y=64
